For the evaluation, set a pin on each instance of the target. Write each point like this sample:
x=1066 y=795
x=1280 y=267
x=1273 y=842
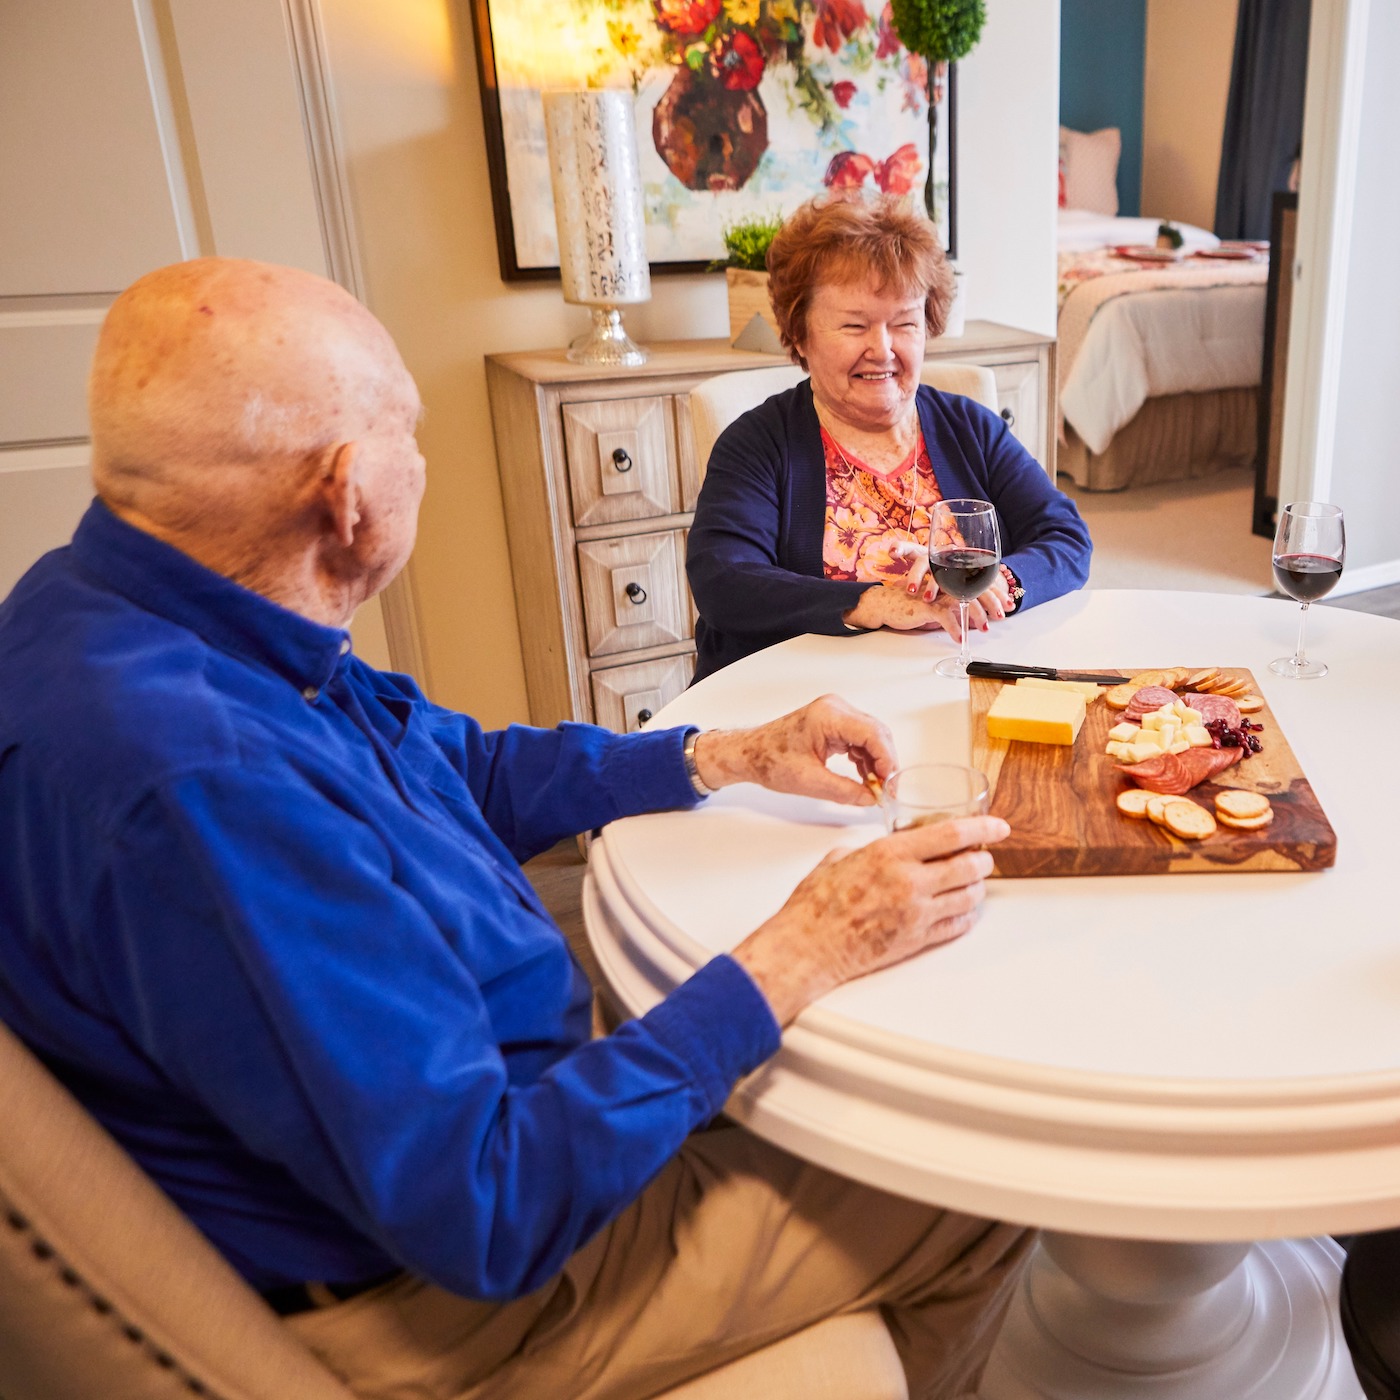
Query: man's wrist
x=692 y=766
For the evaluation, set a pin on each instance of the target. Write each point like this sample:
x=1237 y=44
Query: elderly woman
x=816 y=507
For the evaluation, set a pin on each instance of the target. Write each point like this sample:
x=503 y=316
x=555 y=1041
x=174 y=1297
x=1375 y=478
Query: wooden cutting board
x=1059 y=800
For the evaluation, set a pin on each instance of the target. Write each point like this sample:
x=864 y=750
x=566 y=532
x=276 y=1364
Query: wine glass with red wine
x=964 y=556
x=1309 y=548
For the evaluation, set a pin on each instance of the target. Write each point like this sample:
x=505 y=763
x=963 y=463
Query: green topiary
x=941 y=31
x=746 y=242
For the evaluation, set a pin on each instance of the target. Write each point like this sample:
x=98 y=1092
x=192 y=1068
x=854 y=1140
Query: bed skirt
x=1173 y=438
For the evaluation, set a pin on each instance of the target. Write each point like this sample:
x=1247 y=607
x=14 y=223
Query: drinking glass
x=932 y=792
x=964 y=556
x=1309 y=548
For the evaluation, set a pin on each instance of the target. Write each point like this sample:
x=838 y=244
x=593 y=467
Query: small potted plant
x=940 y=32
x=745 y=265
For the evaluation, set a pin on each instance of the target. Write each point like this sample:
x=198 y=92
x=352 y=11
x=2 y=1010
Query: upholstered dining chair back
x=107 y=1292
x=716 y=403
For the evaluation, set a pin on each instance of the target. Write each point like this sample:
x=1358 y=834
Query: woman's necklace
x=853 y=474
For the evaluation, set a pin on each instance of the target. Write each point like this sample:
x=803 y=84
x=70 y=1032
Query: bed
x=1159 y=366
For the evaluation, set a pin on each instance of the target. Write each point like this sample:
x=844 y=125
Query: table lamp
x=598 y=211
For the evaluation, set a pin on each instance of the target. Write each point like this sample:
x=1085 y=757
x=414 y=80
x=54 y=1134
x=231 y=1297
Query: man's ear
x=340 y=487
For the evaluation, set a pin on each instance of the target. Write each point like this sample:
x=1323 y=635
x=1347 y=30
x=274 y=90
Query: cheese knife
x=1010 y=671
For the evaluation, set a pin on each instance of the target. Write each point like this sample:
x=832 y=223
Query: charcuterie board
x=1060 y=802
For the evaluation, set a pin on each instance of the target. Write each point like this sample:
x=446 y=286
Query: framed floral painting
x=743 y=107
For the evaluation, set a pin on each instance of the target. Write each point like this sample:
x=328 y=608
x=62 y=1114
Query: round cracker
x=1198 y=679
x=1188 y=820
x=1132 y=802
x=1158 y=803
x=1119 y=696
x=1180 y=675
x=1236 y=802
x=1152 y=678
x=1246 y=823
x=1249 y=704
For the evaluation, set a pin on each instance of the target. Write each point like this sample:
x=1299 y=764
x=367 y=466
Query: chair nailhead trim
x=42 y=1250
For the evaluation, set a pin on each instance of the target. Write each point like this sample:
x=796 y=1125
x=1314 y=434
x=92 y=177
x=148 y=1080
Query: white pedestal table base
x=1101 y=1319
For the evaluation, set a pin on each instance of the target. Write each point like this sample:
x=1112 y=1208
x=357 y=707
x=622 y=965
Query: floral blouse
x=877 y=526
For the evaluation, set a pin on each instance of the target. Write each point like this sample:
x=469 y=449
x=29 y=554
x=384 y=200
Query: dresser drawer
x=626 y=697
x=1018 y=397
x=632 y=592
x=621 y=459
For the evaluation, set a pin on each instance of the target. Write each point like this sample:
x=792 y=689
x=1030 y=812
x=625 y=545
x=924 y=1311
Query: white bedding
x=1163 y=341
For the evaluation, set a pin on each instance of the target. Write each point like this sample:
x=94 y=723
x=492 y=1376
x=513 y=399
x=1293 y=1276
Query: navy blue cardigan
x=755 y=554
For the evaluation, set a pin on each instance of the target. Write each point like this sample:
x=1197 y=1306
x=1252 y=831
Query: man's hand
x=863 y=910
x=790 y=754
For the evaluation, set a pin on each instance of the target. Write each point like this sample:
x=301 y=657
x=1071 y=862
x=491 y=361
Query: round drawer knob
x=1009 y=416
x=636 y=592
x=621 y=460
x=642 y=717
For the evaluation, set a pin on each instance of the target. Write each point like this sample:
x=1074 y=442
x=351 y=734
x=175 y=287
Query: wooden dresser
x=599 y=480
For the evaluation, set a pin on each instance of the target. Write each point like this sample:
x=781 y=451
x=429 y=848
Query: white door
x=135 y=133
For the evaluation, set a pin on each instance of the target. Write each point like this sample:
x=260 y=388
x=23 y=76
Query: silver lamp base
x=606 y=343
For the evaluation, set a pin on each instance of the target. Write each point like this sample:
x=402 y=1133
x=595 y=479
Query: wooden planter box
x=748 y=297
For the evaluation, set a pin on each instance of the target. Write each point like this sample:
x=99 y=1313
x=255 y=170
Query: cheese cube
x=1169 y=731
x=1197 y=735
x=1153 y=720
x=1183 y=711
x=1035 y=715
x=1178 y=746
x=1139 y=752
x=1087 y=689
x=1116 y=748
x=1147 y=739
x=1124 y=732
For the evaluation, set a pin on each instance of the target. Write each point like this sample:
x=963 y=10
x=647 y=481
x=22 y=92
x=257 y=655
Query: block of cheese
x=1035 y=715
x=1087 y=689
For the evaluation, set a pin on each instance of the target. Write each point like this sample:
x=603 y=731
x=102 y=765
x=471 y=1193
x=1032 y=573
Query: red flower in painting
x=738 y=61
x=843 y=92
x=847 y=170
x=898 y=174
x=686 y=16
x=837 y=20
x=888 y=43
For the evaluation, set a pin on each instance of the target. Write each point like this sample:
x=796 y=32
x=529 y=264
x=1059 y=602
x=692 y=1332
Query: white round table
x=1154 y=1069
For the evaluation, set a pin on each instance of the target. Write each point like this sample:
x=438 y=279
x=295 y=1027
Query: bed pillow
x=1089 y=162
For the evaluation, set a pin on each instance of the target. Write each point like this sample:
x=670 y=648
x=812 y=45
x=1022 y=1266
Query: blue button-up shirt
x=261 y=909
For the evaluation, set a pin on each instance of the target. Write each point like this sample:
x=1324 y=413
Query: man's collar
x=166 y=581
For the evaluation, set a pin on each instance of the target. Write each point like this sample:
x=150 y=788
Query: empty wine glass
x=964 y=556
x=925 y=793
x=1309 y=549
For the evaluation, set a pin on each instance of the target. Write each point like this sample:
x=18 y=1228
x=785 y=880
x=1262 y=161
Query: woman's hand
x=916 y=605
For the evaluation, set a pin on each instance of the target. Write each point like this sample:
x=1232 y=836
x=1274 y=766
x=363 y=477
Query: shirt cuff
x=720 y=1024
x=646 y=772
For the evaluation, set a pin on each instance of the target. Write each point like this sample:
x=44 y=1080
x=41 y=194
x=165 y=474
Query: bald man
x=261 y=909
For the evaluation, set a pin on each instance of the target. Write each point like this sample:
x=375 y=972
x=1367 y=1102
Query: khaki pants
x=733 y=1246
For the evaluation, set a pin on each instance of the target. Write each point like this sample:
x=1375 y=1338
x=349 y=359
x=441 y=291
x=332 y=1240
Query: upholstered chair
x=107 y=1292
x=717 y=402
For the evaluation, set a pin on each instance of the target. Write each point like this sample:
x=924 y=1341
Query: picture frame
x=732 y=119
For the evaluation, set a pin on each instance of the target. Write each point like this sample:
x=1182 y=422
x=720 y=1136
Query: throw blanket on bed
x=1202 y=328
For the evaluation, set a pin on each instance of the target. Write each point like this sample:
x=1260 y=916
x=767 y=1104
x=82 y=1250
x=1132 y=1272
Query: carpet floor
x=1191 y=536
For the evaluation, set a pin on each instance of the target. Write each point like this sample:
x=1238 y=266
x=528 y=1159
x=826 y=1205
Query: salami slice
x=1201 y=764
x=1161 y=773
x=1216 y=707
x=1147 y=699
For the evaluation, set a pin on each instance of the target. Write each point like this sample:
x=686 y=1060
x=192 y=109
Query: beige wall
x=410 y=111
x=1190 y=44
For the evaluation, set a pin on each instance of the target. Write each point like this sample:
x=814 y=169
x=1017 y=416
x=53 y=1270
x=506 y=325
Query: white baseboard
x=1372 y=576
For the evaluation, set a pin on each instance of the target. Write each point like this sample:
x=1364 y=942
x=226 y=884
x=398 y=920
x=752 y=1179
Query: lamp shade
x=597 y=196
